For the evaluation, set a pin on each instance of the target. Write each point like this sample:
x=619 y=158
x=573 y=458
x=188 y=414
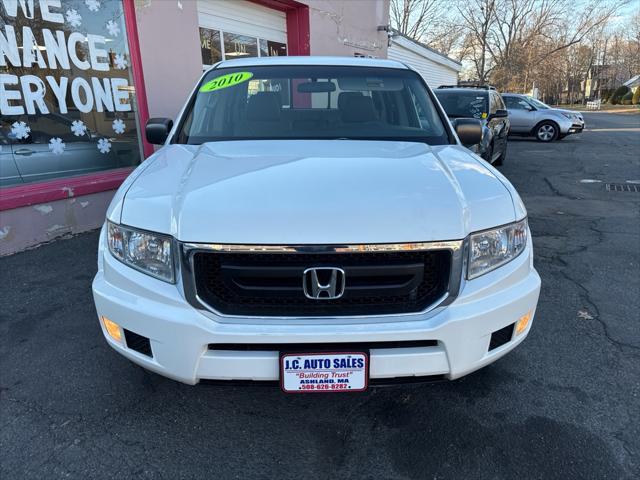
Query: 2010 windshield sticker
x=228 y=80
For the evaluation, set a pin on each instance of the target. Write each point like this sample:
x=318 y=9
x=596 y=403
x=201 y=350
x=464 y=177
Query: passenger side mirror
x=500 y=113
x=157 y=130
x=469 y=130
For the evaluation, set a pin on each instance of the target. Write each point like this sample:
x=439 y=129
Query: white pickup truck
x=315 y=221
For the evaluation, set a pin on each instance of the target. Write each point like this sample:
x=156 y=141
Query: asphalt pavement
x=565 y=404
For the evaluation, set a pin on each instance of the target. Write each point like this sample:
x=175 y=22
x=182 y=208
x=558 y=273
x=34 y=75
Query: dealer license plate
x=324 y=372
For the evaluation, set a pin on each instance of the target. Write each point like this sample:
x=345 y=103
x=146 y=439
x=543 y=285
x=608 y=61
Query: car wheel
x=546 y=132
x=500 y=160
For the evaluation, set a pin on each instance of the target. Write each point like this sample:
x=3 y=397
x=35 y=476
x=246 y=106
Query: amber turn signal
x=522 y=323
x=112 y=328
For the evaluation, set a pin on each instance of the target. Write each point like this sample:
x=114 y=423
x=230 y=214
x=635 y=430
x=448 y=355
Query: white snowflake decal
x=118 y=126
x=73 y=18
x=104 y=145
x=113 y=28
x=57 y=146
x=78 y=128
x=120 y=62
x=93 y=5
x=20 y=130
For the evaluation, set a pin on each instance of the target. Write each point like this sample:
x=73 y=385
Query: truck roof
x=311 y=60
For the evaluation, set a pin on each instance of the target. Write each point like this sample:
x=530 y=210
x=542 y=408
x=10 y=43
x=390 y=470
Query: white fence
x=594 y=104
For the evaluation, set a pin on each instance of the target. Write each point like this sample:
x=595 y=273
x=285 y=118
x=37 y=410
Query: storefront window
x=210 y=46
x=272 y=49
x=239 y=46
x=67 y=100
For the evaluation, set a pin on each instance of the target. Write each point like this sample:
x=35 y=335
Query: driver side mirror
x=157 y=130
x=469 y=130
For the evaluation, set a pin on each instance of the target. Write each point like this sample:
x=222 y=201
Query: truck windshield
x=311 y=102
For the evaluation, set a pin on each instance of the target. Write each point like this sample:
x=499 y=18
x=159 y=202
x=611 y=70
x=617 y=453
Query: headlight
x=570 y=116
x=145 y=251
x=492 y=248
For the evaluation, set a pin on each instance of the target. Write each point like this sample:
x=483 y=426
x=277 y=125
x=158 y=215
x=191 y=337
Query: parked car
x=30 y=159
x=322 y=242
x=531 y=117
x=483 y=103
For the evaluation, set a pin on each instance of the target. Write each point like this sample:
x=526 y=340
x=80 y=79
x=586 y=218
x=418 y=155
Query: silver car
x=31 y=160
x=529 y=116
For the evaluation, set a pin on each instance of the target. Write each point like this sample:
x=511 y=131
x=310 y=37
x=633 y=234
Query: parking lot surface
x=565 y=404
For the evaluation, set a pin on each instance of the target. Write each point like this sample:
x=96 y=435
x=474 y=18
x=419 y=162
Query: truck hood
x=315 y=192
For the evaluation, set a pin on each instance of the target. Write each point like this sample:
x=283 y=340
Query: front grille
x=271 y=284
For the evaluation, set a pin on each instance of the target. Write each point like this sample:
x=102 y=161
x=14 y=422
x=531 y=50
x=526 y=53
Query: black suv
x=485 y=104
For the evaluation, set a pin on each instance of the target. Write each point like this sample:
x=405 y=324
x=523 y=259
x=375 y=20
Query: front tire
x=500 y=160
x=547 y=132
x=488 y=154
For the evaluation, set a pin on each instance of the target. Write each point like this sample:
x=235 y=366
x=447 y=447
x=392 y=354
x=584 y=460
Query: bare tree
x=515 y=44
x=478 y=18
x=413 y=18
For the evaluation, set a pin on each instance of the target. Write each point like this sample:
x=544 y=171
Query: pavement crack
x=557 y=192
x=597 y=317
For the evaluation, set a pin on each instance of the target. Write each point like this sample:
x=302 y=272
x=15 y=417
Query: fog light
x=113 y=329
x=523 y=321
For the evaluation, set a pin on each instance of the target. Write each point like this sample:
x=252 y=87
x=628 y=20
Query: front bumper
x=181 y=336
x=568 y=127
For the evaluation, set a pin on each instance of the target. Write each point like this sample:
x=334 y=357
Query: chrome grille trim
x=456 y=247
x=452 y=245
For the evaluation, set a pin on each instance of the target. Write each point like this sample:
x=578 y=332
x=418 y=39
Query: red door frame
x=298 y=35
x=298 y=32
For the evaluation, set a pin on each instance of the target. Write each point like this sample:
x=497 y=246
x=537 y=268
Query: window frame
x=518 y=101
x=207 y=67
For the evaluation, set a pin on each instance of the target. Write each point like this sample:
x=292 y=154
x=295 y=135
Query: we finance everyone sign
x=54 y=37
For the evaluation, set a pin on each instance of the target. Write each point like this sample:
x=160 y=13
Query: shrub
x=636 y=97
x=620 y=92
x=628 y=97
x=606 y=95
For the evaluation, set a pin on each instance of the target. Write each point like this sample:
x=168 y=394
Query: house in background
x=602 y=79
x=633 y=83
x=436 y=68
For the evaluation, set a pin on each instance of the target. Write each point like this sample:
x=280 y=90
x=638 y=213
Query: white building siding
x=435 y=72
x=243 y=18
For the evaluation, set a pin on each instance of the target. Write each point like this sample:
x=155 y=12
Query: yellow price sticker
x=484 y=115
x=228 y=80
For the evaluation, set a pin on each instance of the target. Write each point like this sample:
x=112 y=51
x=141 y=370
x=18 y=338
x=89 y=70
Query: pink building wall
x=170 y=50
x=344 y=28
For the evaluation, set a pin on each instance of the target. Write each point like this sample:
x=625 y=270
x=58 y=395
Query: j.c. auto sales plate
x=324 y=372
